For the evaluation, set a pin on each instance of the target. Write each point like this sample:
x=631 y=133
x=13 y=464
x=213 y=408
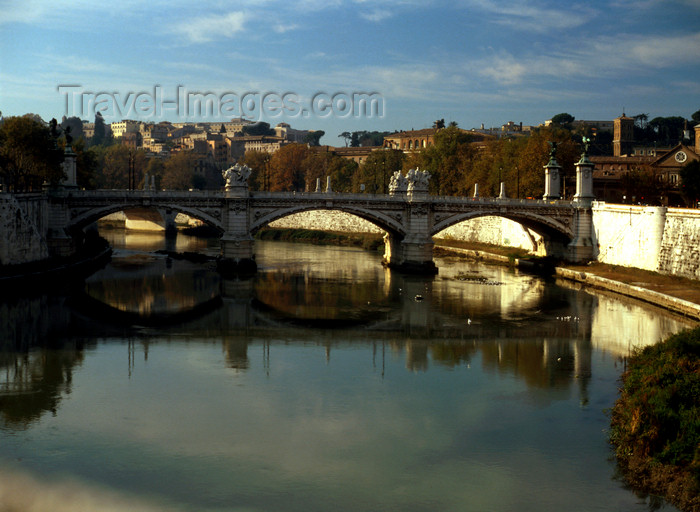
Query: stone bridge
x=408 y=214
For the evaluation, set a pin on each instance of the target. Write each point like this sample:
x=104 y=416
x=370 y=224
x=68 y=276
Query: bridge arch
x=553 y=232
x=381 y=220
x=87 y=217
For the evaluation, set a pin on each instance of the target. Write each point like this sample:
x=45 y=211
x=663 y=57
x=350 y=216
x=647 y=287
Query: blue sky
x=470 y=61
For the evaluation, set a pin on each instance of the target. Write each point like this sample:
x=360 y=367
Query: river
x=325 y=382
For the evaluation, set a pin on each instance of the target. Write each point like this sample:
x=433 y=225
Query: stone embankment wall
x=489 y=230
x=664 y=240
x=22 y=226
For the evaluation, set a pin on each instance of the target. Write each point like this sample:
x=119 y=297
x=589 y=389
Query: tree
x=179 y=171
x=87 y=163
x=564 y=120
x=100 y=130
x=690 y=182
x=29 y=155
x=115 y=167
x=668 y=130
x=259 y=128
x=696 y=117
x=377 y=169
x=286 y=168
x=341 y=170
x=259 y=163
x=446 y=160
x=347 y=136
x=75 y=124
x=155 y=169
x=313 y=138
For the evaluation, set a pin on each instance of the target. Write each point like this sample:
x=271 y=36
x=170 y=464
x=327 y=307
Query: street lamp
x=131 y=170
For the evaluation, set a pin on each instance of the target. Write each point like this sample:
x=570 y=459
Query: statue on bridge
x=236 y=176
x=418 y=180
x=398 y=184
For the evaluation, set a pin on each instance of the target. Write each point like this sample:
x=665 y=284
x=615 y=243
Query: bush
x=655 y=424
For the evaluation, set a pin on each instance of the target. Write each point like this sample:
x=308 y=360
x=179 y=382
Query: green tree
x=75 y=125
x=313 y=138
x=347 y=136
x=99 y=136
x=179 y=171
x=115 y=167
x=447 y=161
x=259 y=163
x=155 y=168
x=29 y=155
x=696 y=117
x=259 y=128
x=563 y=120
x=377 y=169
x=668 y=130
x=87 y=164
x=341 y=170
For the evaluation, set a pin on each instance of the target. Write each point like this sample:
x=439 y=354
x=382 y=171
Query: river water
x=324 y=383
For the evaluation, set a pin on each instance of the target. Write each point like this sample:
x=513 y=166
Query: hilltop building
x=613 y=176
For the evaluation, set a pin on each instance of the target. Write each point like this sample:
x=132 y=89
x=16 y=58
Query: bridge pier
x=412 y=254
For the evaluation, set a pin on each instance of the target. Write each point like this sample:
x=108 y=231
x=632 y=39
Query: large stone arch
x=381 y=220
x=87 y=217
x=555 y=234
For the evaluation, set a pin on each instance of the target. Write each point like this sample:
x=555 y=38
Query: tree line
x=30 y=155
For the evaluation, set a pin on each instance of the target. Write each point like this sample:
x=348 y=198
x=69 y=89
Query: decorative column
x=584 y=177
x=502 y=193
x=58 y=240
x=581 y=247
x=69 y=164
x=552 y=185
x=237 y=256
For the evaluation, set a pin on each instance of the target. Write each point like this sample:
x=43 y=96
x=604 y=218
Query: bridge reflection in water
x=510 y=324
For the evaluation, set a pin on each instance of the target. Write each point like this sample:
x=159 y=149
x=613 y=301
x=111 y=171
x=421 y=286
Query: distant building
x=411 y=140
x=131 y=140
x=356 y=154
x=126 y=126
x=286 y=132
x=663 y=164
x=623 y=135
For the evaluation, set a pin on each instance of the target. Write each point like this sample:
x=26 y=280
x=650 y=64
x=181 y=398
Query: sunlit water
x=325 y=383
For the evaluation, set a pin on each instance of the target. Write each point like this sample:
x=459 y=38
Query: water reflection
x=325 y=382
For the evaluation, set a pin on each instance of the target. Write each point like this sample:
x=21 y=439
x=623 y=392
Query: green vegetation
x=655 y=424
x=369 y=241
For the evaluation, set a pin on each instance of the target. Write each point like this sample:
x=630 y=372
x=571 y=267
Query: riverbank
x=369 y=241
x=655 y=424
x=94 y=254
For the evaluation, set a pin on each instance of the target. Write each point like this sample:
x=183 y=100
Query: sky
x=348 y=65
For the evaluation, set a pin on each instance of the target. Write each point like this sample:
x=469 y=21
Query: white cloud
x=281 y=28
x=376 y=15
x=208 y=28
x=529 y=17
x=602 y=57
